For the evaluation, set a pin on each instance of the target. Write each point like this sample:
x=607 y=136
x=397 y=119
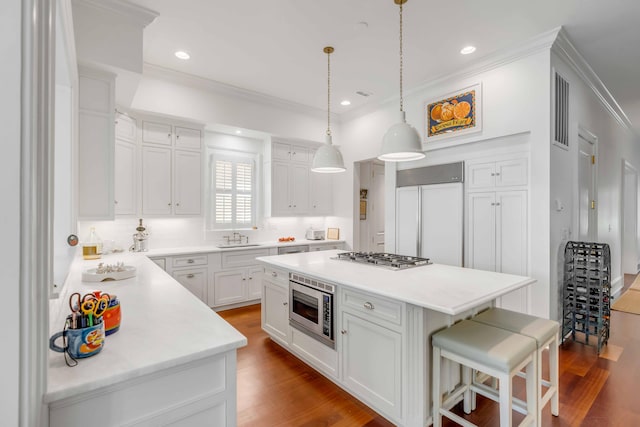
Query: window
x=233 y=196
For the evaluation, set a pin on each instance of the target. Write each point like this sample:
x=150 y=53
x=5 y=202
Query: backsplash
x=180 y=232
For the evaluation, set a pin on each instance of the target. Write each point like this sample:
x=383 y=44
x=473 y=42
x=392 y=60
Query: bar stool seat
x=545 y=332
x=497 y=352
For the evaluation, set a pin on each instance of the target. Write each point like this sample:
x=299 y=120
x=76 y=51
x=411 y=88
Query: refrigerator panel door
x=407 y=221
x=442 y=223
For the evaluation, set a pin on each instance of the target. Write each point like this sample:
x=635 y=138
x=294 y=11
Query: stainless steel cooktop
x=380 y=259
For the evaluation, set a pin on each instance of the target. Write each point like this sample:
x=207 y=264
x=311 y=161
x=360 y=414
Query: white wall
x=614 y=145
x=515 y=106
x=10 y=27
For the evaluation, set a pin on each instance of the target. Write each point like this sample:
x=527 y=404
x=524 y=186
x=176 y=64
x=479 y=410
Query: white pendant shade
x=401 y=143
x=328 y=159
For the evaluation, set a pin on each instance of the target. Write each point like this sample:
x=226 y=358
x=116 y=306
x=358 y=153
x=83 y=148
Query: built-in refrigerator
x=430 y=213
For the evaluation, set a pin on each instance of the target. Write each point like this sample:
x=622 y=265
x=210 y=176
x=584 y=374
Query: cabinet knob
x=177 y=204
x=498 y=204
x=250 y=278
x=295 y=206
x=493 y=174
x=289 y=205
x=190 y=261
x=115 y=201
x=285 y=303
x=190 y=276
x=169 y=204
x=368 y=306
x=343 y=332
x=493 y=204
x=294 y=153
x=244 y=278
x=497 y=173
x=274 y=274
x=168 y=135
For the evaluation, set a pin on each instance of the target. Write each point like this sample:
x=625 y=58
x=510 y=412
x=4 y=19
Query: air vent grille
x=561 y=110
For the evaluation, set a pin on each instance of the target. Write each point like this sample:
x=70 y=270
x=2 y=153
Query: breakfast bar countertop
x=163 y=326
x=443 y=288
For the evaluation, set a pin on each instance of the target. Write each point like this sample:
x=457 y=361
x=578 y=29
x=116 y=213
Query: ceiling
x=275 y=47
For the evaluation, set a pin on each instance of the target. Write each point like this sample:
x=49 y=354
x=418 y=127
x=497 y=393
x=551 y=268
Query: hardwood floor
x=277 y=389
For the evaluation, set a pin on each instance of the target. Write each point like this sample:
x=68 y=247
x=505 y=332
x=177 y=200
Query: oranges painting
x=461 y=110
x=435 y=112
x=452 y=114
x=447 y=112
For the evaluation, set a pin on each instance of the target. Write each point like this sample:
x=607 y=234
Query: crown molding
x=532 y=46
x=567 y=52
x=157 y=71
x=133 y=12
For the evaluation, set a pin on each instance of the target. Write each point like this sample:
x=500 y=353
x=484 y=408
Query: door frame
x=627 y=166
x=593 y=140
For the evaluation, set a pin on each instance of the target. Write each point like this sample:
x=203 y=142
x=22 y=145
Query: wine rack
x=586 y=293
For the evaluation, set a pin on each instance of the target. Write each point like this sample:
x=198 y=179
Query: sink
x=237 y=245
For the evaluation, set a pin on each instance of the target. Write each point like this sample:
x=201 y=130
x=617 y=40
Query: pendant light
x=328 y=158
x=401 y=143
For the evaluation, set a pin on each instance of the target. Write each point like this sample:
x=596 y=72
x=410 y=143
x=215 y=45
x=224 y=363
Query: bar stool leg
x=436 y=395
x=533 y=389
x=468 y=405
x=553 y=375
x=505 y=390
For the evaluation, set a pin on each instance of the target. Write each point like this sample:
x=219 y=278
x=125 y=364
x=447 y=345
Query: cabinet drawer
x=242 y=258
x=156 y=133
x=373 y=306
x=188 y=138
x=189 y=260
x=276 y=275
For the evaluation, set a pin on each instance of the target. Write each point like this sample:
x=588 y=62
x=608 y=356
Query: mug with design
x=80 y=343
x=112 y=317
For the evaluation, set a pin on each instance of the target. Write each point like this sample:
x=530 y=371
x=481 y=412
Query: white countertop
x=212 y=248
x=443 y=288
x=163 y=325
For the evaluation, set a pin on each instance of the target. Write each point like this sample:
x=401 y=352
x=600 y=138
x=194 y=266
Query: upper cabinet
x=96 y=144
x=505 y=173
x=294 y=189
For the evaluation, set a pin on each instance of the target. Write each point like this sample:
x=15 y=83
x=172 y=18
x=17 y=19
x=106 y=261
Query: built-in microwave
x=311 y=308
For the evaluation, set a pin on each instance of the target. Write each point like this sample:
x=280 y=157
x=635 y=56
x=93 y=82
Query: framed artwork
x=454 y=114
x=333 y=233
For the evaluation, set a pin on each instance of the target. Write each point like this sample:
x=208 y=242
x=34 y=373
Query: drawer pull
x=343 y=332
x=190 y=276
x=190 y=261
x=368 y=306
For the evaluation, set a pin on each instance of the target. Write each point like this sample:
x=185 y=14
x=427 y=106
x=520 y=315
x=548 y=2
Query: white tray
x=91 y=276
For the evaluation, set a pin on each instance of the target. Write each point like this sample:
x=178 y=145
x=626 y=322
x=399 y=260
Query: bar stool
x=545 y=332
x=494 y=351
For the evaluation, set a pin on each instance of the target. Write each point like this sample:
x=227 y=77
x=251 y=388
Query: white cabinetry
x=125 y=166
x=497 y=223
x=275 y=305
x=290 y=188
x=294 y=153
x=171 y=169
x=195 y=280
x=96 y=139
x=238 y=279
x=321 y=202
x=190 y=270
x=230 y=287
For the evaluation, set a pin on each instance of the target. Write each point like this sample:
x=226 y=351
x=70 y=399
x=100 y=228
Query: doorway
x=629 y=220
x=587 y=219
x=371 y=206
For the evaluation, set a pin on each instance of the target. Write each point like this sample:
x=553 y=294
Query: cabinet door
x=299 y=154
x=407 y=230
x=481 y=230
x=511 y=243
x=275 y=311
x=156 y=133
x=481 y=175
x=511 y=172
x=372 y=363
x=299 y=184
x=187 y=182
x=255 y=282
x=125 y=128
x=280 y=151
x=156 y=181
x=229 y=287
x=125 y=178
x=442 y=223
x=194 y=280
x=280 y=199
x=188 y=138
x=321 y=193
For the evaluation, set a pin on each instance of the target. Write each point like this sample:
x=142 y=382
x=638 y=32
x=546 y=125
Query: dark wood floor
x=277 y=389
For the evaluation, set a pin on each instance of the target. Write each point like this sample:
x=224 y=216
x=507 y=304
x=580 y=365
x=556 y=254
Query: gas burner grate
x=382 y=259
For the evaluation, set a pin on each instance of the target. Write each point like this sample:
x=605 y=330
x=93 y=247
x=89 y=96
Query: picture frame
x=454 y=114
x=333 y=233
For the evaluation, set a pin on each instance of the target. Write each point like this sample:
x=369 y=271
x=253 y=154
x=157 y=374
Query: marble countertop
x=447 y=289
x=163 y=325
x=212 y=248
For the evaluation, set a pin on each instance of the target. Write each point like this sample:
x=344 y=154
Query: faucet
x=236 y=238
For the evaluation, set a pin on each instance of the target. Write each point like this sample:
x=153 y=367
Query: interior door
x=442 y=223
x=586 y=191
x=376 y=201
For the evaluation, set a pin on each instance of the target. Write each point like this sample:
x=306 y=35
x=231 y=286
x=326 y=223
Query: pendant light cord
x=328 y=93
x=401 y=60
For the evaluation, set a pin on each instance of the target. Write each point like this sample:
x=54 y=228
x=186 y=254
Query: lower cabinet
x=275 y=311
x=195 y=280
x=236 y=286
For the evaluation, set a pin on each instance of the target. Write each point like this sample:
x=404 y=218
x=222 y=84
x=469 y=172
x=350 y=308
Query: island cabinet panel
x=372 y=363
x=275 y=311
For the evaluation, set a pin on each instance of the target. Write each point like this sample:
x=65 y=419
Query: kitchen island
x=382 y=323
x=172 y=361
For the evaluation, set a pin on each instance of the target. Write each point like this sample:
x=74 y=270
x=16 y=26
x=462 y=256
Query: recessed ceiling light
x=181 y=54
x=238 y=131
x=345 y=102
x=467 y=50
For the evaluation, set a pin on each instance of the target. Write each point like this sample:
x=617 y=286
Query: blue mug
x=81 y=343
